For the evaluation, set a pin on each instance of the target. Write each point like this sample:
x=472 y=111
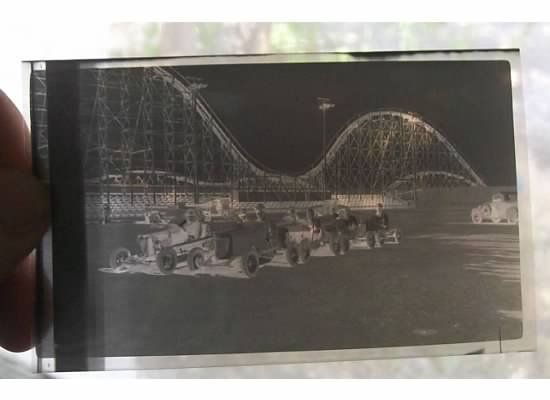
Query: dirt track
x=449 y=281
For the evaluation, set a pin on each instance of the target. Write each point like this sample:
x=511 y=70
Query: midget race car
x=370 y=233
x=334 y=226
x=367 y=237
x=288 y=237
x=292 y=236
x=503 y=207
x=186 y=239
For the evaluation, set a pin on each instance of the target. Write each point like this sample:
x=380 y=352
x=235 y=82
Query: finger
x=17 y=292
x=17 y=296
x=23 y=217
x=23 y=221
x=14 y=134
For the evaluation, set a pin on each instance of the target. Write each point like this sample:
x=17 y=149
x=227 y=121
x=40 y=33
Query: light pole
x=324 y=105
x=195 y=85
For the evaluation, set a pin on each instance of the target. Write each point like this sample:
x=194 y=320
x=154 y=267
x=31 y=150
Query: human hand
x=23 y=221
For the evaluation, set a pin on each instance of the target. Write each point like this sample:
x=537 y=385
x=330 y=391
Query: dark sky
x=271 y=108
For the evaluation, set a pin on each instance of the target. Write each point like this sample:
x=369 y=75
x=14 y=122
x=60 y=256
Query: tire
x=314 y=244
x=397 y=236
x=353 y=224
x=222 y=245
x=370 y=240
x=250 y=263
x=167 y=259
x=344 y=244
x=485 y=210
x=292 y=254
x=477 y=216
x=282 y=237
x=304 y=251
x=118 y=257
x=195 y=259
x=334 y=244
x=362 y=230
x=512 y=215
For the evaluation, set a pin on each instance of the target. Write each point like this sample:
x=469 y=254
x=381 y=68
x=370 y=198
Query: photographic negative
x=241 y=210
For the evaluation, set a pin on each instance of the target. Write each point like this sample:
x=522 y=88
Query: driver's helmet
x=154 y=217
x=259 y=210
x=342 y=212
x=498 y=197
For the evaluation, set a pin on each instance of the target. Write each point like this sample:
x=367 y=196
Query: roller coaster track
x=366 y=158
x=343 y=135
x=228 y=140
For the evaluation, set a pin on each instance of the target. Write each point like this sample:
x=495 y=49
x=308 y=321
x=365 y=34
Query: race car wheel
x=304 y=251
x=485 y=211
x=370 y=239
x=344 y=244
x=250 y=263
x=118 y=257
x=334 y=244
x=195 y=259
x=512 y=215
x=477 y=216
x=397 y=236
x=495 y=219
x=292 y=255
x=167 y=259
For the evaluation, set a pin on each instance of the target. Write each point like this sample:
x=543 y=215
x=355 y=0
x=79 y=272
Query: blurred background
x=101 y=40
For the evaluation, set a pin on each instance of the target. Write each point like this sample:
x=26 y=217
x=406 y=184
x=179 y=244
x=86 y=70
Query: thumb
x=23 y=217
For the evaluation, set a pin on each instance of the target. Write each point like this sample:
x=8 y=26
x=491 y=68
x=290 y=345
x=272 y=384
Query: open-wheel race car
x=244 y=246
x=186 y=239
x=503 y=207
x=292 y=237
x=334 y=226
x=374 y=231
x=250 y=243
x=288 y=237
